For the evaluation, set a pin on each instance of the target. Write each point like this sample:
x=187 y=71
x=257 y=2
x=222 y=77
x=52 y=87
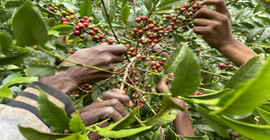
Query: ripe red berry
x=198 y=93
x=144 y=18
x=96 y=30
x=178 y=21
x=133 y=54
x=82 y=36
x=63 y=19
x=152 y=63
x=195 y=6
x=127 y=45
x=77 y=27
x=159 y=69
x=151 y=36
x=172 y=23
x=132 y=49
x=140 y=32
x=135 y=30
x=138 y=20
x=182 y=10
x=184 y=27
x=77 y=32
x=65 y=22
x=85 y=18
x=161 y=63
x=149 y=40
x=91 y=32
x=139 y=40
x=151 y=26
x=111 y=42
x=174 y=19
x=51 y=8
x=71 y=52
x=85 y=24
x=101 y=36
x=168 y=16
x=156 y=40
x=139 y=26
x=143 y=57
x=185 y=6
x=82 y=20
x=158 y=65
x=156 y=29
x=150 y=20
x=154 y=67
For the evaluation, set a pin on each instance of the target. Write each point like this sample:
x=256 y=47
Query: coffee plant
x=224 y=101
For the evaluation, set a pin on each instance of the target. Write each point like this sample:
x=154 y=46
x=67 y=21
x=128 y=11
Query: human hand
x=100 y=56
x=112 y=106
x=214 y=26
x=182 y=121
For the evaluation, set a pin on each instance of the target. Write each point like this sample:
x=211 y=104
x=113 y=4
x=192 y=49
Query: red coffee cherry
x=133 y=54
x=51 y=8
x=77 y=32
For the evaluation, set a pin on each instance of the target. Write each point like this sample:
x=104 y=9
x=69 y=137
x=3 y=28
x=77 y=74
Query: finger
x=91 y=117
x=220 y=6
x=203 y=22
x=116 y=94
x=116 y=49
x=117 y=59
x=107 y=103
x=95 y=135
x=162 y=86
x=208 y=13
x=201 y=30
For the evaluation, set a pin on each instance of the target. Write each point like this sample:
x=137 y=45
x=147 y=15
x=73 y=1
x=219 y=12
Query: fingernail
x=130 y=104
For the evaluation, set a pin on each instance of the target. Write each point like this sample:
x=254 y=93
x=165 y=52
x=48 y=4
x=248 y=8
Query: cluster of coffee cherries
x=226 y=67
x=136 y=100
x=82 y=90
x=198 y=93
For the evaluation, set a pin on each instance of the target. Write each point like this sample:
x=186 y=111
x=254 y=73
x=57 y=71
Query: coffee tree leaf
x=110 y=8
x=252 y=36
x=252 y=131
x=75 y=136
x=125 y=13
x=6 y=93
x=52 y=114
x=124 y=133
x=148 y=4
x=5 y=15
x=14 y=3
x=44 y=70
x=5 y=43
x=162 y=117
x=204 y=137
x=13 y=58
x=86 y=8
x=76 y=124
x=265 y=114
x=166 y=3
x=123 y=123
x=32 y=134
x=169 y=103
x=28 y=27
x=245 y=72
x=175 y=58
x=187 y=75
x=156 y=135
x=245 y=93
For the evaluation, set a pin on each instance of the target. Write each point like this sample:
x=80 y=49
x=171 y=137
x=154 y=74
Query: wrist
x=60 y=81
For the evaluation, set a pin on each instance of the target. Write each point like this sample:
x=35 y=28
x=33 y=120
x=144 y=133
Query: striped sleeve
x=28 y=99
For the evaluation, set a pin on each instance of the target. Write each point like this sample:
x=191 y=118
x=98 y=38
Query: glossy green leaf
x=5 y=15
x=169 y=103
x=124 y=133
x=157 y=135
x=14 y=3
x=32 y=134
x=148 y=4
x=28 y=27
x=245 y=72
x=162 y=117
x=86 y=8
x=125 y=13
x=6 y=93
x=213 y=122
x=204 y=137
x=62 y=28
x=75 y=136
x=110 y=8
x=123 y=123
x=52 y=114
x=165 y=3
x=5 y=42
x=265 y=114
x=252 y=131
x=13 y=59
x=44 y=70
x=76 y=124
x=257 y=88
x=253 y=34
x=175 y=58
x=187 y=75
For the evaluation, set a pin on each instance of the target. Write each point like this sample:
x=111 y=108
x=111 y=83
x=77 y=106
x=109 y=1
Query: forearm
x=183 y=124
x=237 y=52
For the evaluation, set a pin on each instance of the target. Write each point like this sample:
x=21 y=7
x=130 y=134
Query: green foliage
x=187 y=75
x=42 y=71
x=5 y=42
x=28 y=27
x=52 y=114
x=124 y=133
x=75 y=136
x=32 y=134
x=86 y=8
x=125 y=13
x=110 y=8
x=76 y=124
